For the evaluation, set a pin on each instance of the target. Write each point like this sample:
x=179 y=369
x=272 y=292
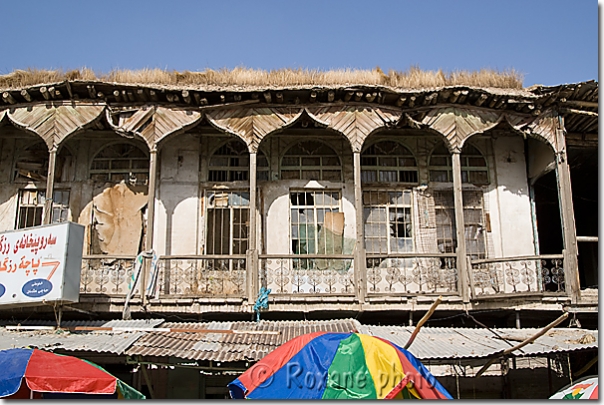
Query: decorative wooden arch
x=356 y=123
x=459 y=124
x=153 y=123
x=253 y=124
x=54 y=122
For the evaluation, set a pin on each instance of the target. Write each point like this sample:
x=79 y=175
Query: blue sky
x=549 y=41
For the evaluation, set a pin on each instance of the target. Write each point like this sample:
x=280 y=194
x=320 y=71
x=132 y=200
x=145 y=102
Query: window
x=473 y=166
x=120 y=162
x=31 y=207
x=388 y=161
x=311 y=160
x=446 y=237
x=387 y=217
x=231 y=162
x=227 y=222
x=316 y=226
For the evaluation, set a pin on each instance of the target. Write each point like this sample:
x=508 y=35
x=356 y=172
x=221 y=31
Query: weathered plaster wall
x=514 y=225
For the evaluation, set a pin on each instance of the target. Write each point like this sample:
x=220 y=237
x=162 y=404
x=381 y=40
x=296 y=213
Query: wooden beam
x=313 y=96
x=8 y=98
x=186 y=96
x=140 y=95
x=91 y=91
x=348 y=95
x=422 y=321
x=578 y=103
x=360 y=255
x=569 y=230
x=116 y=95
x=331 y=95
x=25 y=94
x=522 y=344
x=371 y=96
x=197 y=98
x=401 y=100
x=267 y=96
x=44 y=92
x=279 y=97
x=358 y=96
x=462 y=267
x=52 y=92
x=411 y=101
x=481 y=99
x=222 y=98
x=237 y=97
x=130 y=95
x=153 y=95
x=579 y=112
x=100 y=94
x=68 y=87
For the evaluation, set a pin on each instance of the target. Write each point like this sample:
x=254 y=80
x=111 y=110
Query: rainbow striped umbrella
x=325 y=365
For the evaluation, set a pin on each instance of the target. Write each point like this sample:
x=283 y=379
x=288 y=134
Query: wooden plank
x=460 y=227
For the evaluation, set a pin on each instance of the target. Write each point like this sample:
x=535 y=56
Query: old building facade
x=335 y=199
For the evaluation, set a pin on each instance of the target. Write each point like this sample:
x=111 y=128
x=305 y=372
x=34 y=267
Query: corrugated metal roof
x=230 y=346
x=459 y=343
x=101 y=342
x=91 y=341
x=131 y=323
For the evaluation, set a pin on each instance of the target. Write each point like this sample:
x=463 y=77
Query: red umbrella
x=55 y=373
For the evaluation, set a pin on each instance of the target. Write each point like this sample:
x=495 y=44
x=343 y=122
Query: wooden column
x=50 y=186
x=252 y=253
x=150 y=217
x=462 y=266
x=569 y=233
x=360 y=262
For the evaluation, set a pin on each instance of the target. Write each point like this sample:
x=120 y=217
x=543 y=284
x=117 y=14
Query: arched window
x=389 y=162
x=231 y=162
x=473 y=165
x=121 y=161
x=311 y=160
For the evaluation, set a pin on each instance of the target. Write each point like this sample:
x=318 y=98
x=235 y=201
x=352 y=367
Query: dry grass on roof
x=414 y=78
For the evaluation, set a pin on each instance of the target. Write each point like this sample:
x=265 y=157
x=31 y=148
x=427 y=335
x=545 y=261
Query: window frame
x=388 y=206
x=110 y=171
x=466 y=168
x=398 y=168
x=301 y=168
x=231 y=216
x=39 y=206
x=315 y=222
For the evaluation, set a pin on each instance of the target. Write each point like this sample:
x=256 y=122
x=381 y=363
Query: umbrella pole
x=423 y=320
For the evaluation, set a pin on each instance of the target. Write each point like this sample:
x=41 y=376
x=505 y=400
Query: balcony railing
x=524 y=274
x=313 y=274
x=386 y=274
x=106 y=275
x=412 y=273
x=207 y=275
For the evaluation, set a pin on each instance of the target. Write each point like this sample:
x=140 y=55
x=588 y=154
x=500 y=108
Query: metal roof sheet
x=459 y=343
x=91 y=341
x=101 y=342
x=230 y=346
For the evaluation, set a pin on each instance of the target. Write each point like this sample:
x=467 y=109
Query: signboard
x=41 y=264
